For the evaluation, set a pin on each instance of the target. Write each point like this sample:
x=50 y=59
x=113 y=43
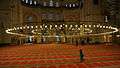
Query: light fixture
x=51 y=3
x=20 y=27
x=85 y=26
x=57 y=4
x=81 y=25
x=76 y=25
x=71 y=25
x=36 y=26
x=28 y=27
x=55 y=25
x=60 y=25
x=15 y=30
x=44 y=4
x=66 y=26
x=26 y=1
x=89 y=26
x=35 y=2
x=31 y=26
x=70 y=5
x=46 y=26
x=30 y=2
x=66 y=5
x=40 y=26
x=73 y=5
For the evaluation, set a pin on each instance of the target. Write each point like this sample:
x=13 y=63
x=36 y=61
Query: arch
x=30 y=17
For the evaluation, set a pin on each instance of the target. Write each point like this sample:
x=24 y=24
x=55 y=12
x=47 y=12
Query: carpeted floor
x=59 y=56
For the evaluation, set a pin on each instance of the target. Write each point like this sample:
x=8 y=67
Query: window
x=30 y=19
x=50 y=16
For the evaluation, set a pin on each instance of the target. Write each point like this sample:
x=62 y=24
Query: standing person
x=81 y=55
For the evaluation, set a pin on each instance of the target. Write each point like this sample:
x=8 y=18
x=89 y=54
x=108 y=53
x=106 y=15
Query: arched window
x=30 y=19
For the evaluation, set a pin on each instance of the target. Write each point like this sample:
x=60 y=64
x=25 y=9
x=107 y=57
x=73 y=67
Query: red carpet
x=62 y=56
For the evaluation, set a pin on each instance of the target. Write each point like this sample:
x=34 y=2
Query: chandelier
x=61 y=30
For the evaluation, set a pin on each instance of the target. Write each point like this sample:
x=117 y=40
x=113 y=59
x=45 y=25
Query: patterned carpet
x=59 y=56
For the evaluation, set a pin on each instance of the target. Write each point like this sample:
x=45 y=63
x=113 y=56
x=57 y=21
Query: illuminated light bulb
x=112 y=28
x=70 y=5
x=14 y=28
x=32 y=27
x=71 y=25
x=85 y=25
x=6 y=31
x=106 y=26
x=20 y=27
x=26 y=1
x=44 y=4
x=60 y=25
x=36 y=26
x=55 y=25
x=94 y=26
x=109 y=27
x=97 y=26
x=73 y=5
x=9 y=30
x=46 y=26
x=35 y=2
x=57 y=4
x=76 y=25
x=73 y=29
x=24 y=27
x=90 y=26
x=78 y=28
x=81 y=25
x=32 y=31
x=117 y=35
x=100 y=26
x=50 y=28
x=66 y=5
x=90 y=31
x=50 y=25
x=103 y=26
x=30 y=2
x=51 y=3
x=40 y=26
x=116 y=30
x=28 y=27
x=66 y=25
